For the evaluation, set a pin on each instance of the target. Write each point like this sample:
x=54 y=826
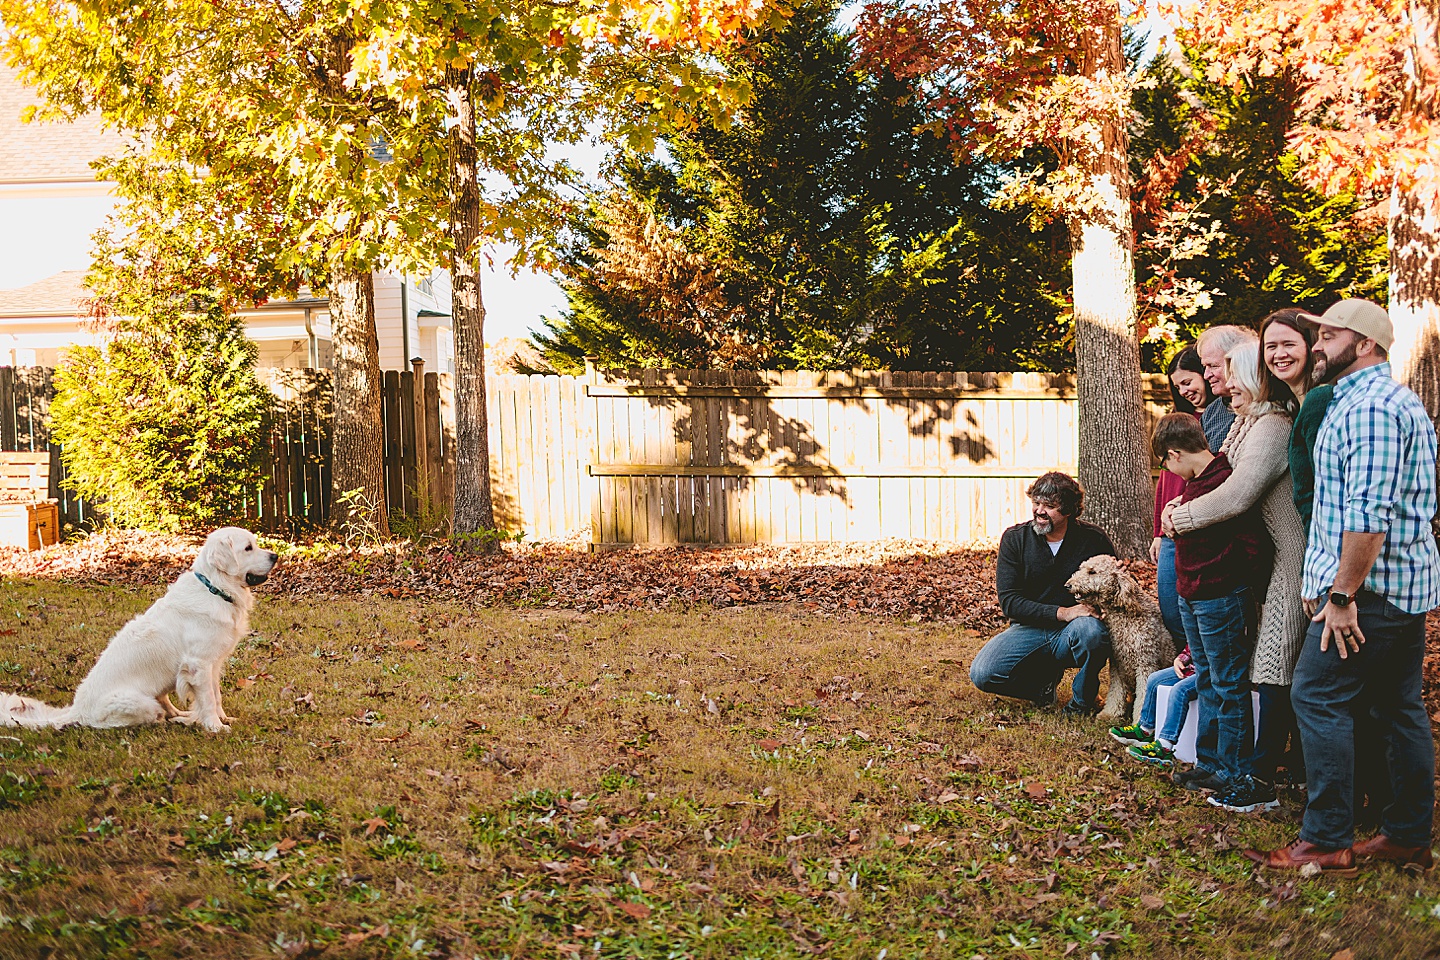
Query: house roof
x=57 y=295
x=42 y=152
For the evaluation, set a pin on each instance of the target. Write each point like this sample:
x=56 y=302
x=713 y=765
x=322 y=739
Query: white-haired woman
x=1258 y=449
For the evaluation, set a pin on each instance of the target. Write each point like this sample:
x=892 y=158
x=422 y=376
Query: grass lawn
x=411 y=779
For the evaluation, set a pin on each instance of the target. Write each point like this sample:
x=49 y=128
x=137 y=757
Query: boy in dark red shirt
x=1215 y=568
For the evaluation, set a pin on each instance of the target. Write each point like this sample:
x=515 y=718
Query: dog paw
x=1108 y=717
x=186 y=717
x=215 y=726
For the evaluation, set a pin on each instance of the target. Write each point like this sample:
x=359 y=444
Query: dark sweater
x=1031 y=582
x=1213 y=561
x=1302 y=448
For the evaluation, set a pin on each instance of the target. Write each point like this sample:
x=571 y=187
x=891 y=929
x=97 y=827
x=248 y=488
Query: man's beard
x=1328 y=371
x=1042 y=527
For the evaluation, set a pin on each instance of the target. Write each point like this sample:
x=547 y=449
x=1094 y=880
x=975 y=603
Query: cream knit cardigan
x=1258 y=450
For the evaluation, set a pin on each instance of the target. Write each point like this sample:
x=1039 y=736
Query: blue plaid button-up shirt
x=1375 y=473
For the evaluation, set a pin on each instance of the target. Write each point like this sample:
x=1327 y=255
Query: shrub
x=164 y=425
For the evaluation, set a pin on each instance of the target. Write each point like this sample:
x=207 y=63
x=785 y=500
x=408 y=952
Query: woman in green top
x=1285 y=343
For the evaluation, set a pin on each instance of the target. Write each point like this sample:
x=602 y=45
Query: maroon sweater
x=1219 y=559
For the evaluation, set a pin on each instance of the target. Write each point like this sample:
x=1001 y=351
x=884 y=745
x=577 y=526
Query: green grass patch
x=422 y=780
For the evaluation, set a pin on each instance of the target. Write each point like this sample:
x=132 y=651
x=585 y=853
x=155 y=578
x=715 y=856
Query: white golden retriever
x=178 y=646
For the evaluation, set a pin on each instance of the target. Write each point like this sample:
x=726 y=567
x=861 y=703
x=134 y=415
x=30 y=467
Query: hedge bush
x=164 y=425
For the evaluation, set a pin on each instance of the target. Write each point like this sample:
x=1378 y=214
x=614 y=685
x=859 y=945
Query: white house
x=50 y=205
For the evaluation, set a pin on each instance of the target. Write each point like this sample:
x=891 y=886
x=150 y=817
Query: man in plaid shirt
x=1372 y=572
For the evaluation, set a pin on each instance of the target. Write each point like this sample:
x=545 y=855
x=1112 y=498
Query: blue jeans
x=1221 y=633
x=1022 y=661
x=1165 y=589
x=1181 y=693
x=1382 y=678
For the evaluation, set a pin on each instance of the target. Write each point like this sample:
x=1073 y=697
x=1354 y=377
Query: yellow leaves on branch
x=701 y=25
x=1367 y=71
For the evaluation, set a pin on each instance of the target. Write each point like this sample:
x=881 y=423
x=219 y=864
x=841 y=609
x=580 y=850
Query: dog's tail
x=18 y=711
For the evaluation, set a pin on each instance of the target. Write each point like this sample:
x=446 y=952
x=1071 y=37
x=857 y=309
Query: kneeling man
x=1049 y=631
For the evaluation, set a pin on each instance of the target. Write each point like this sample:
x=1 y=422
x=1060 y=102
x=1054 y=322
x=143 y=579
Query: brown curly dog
x=1140 y=643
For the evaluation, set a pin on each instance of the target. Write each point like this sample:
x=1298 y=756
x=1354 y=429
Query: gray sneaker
x=1250 y=796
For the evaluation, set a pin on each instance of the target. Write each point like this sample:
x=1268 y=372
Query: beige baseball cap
x=1365 y=318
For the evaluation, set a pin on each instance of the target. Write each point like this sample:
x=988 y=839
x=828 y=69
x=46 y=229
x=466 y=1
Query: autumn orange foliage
x=1368 y=73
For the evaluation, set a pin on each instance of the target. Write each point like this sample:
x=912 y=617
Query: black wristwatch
x=1341 y=599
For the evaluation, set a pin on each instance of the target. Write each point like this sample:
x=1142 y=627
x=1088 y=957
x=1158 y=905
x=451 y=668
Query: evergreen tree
x=164 y=424
x=820 y=232
x=1219 y=155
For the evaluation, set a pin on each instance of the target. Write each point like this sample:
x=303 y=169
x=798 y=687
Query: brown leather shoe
x=1335 y=863
x=1381 y=847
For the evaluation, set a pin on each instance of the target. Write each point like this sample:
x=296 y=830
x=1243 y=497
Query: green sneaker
x=1133 y=735
x=1152 y=753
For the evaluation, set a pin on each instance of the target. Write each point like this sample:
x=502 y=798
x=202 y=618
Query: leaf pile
x=915 y=580
x=910 y=579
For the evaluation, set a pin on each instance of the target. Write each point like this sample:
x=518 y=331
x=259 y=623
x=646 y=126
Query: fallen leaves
x=911 y=579
x=639 y=911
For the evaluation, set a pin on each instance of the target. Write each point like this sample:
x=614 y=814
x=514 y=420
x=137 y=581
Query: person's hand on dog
x=1066 y=614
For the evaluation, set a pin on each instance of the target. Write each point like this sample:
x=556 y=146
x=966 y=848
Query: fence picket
x=674 y=456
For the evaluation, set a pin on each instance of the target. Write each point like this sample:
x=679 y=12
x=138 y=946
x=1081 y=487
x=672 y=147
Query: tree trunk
x=1414 y=226
x=1414 y=235
x=1114 y=458
x=357 y=473
x=474 y=511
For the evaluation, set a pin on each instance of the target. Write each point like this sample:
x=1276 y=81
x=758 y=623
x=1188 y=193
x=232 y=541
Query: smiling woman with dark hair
x=1191 y=394
x=1287 y=343
x=1189 y=390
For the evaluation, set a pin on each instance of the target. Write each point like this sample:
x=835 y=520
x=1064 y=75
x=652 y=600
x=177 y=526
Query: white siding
x=387 y=321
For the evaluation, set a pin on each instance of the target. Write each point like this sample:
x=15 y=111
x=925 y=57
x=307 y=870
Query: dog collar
x=212 y=588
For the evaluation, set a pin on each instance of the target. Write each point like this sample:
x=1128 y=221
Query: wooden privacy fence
x=662 y=457
x=417 y=414
x=767 y=457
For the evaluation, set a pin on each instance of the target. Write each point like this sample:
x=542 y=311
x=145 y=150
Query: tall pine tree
x=819 y=232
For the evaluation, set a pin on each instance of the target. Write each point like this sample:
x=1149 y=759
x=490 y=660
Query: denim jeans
x=1165 y=589
x=1221 y=633
x=1275 y=727
x=1164 y=677
x=1382 y=678
x=1182 y=694
x=1022 y=661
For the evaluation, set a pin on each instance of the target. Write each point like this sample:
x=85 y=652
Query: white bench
x=1185 y=746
